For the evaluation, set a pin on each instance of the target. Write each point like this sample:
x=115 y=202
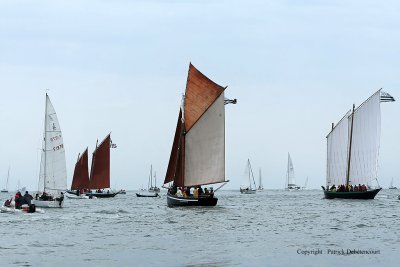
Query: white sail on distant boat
x=305 y=184
x=249 y=184
x=152 y=190
x=5 y=190
x=260 y=185
x=53 y=170
x=391 y=185
x=353 y=150
x=290 y=178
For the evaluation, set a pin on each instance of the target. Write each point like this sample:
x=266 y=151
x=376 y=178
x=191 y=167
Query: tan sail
x=80 y=179
x=198 y=151
x=100 y=171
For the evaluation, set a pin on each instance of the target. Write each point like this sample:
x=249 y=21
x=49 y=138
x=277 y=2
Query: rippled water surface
x=271 y=228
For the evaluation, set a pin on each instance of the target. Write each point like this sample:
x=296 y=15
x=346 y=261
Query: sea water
x=270 y=228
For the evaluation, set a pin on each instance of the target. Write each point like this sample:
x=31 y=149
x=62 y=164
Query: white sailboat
x=53 y=170
x=353 y=151
x=305 y=184
x=5 y=190
x=249 y=186
x=152 y=190
x=260 y=185
x=290 y=178
x=391 y=185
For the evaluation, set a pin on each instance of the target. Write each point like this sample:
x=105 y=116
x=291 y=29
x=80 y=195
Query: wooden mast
x=349 y=157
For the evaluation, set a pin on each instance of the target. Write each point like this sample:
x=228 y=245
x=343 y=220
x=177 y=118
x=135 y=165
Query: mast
x=8 y=176
x=287 y=172
x=45 y=146
x=151 y=175
x=260 y=184
x=350 y=141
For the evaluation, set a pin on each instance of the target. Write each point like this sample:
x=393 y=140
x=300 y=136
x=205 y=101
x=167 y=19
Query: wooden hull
x=147 y=195
x=174 y=201
x=101 y=195
x=370 y=194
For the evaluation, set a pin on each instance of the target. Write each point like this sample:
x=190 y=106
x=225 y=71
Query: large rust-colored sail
x=175 y=160
x=80 y=179
x=201 y=93
x=100 y=171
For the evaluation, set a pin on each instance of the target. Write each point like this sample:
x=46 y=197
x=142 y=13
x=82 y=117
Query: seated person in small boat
x=179 y=192
x=196 y=193
x=211 y=192
x=206 y=192
x=45 y=197
x=184 y=194
x=200 y=191
x=18 y=200
x=37 y=196
x=7 y=203
x=27 y=198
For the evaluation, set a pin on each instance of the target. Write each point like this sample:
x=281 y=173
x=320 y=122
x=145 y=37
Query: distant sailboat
x=260 y=184
x=198 y=152
x=53 y=170
x=80 y=180
x=100 y=171
x=5 y=190
x=305 y=184
x=391 y=185
x=152 y=190
x=353 y=149
x=249 y=186
x=290 y=178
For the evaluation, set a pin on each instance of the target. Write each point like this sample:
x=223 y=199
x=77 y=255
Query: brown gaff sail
x=198 y=151
x=80 y=179
x=100 y=171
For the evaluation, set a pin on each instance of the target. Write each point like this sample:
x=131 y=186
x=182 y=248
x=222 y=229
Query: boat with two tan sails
x=198 y=150
x=98 y=183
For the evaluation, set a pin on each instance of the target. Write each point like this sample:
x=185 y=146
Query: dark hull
x=370 y=194
x=102 y=195
x=174 y=201
x=147 y=195
x=72 y=192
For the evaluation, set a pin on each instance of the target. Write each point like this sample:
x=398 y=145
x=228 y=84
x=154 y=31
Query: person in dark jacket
x=27 y=198
x=18 y=200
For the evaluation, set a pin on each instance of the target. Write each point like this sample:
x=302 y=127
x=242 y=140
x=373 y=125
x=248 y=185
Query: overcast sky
x=121 y=67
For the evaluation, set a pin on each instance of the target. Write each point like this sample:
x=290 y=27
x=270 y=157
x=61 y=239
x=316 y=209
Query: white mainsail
x=205 y=147
x=337 y=142
x=260 y=185
x=248 y=178
x=53 y=170
x=290 y=173
x=365 y=141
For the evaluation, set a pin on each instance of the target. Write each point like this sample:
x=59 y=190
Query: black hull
x=174 y=201
x=101 y=195
x=370 y=194
x=140 y=195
